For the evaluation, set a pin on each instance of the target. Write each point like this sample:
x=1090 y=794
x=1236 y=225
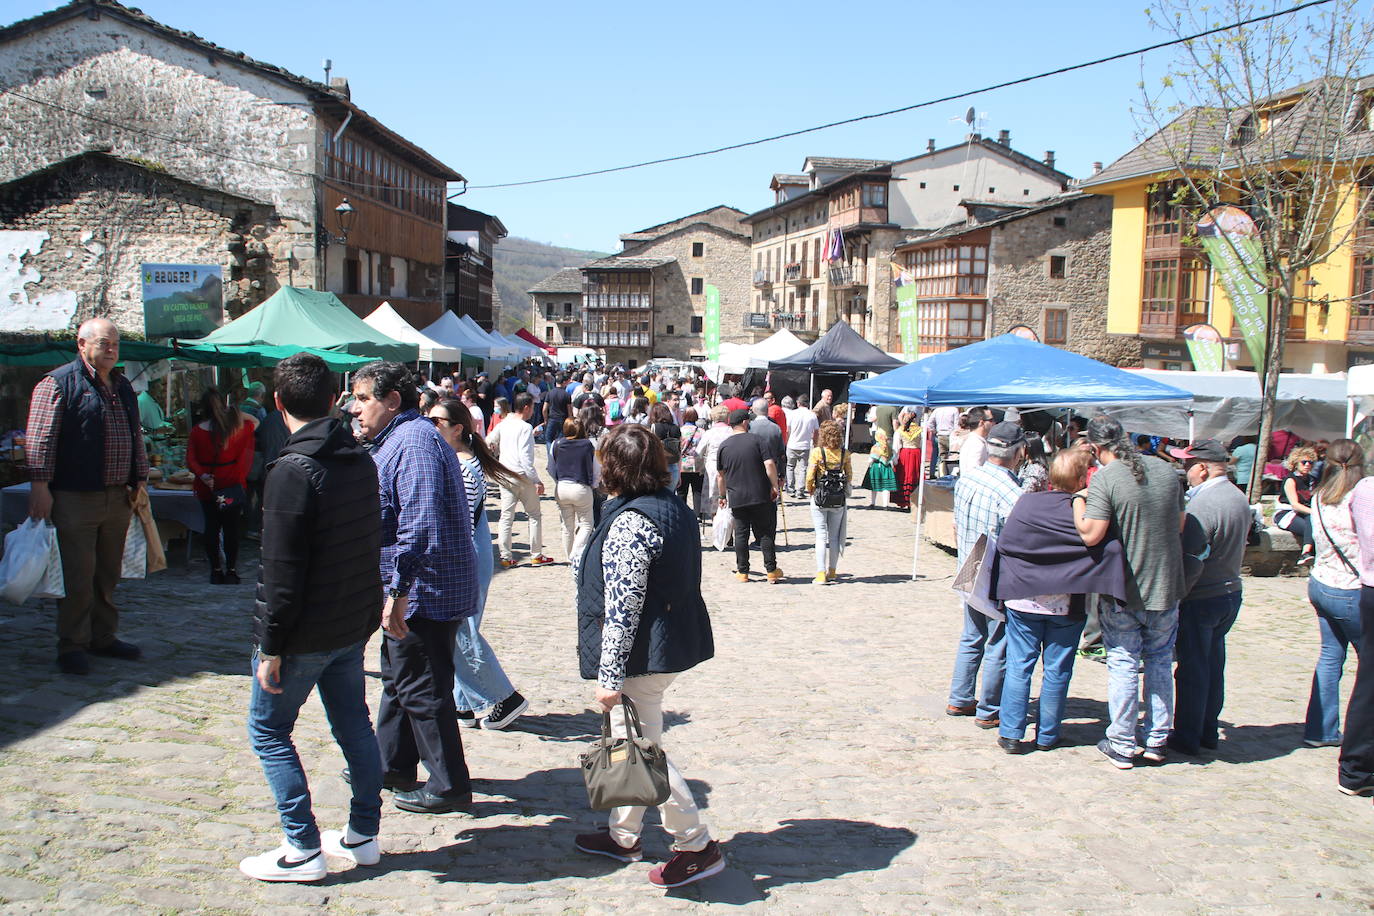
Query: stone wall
x=103 y=218
x=195 y=116
x=562 y=330
x=1020 y=287
x=724 y=263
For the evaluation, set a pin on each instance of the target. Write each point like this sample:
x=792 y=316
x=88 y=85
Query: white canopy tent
x=526 y=349
x=387 y=320
x=735 y=359
x=451 y=331
x=511 y=351
x=1227 y=404
x=1359 y=393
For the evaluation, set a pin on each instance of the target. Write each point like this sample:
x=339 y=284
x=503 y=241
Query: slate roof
x=782 y=178
x=615 y=263
x=1205 y=138
x=321 y=94
x=567 y=280
x=879 y=171
x=1006 y=152
x=712 y=216
x=954 y=230
x=851 y=165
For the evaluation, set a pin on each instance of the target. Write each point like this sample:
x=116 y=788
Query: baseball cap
x=1202 y=450
x=737 y=417
x=1006 y=435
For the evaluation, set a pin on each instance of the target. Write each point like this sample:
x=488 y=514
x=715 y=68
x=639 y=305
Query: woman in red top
x=219 y=453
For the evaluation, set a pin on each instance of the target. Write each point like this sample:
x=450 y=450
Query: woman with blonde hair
x=1295 y=499
x=828 y=475
x=1334 y=589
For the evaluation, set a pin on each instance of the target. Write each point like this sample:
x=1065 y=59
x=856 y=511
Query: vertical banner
x=1205 y=347
x=1231 y=240
x=908 y=328
x=710 y=326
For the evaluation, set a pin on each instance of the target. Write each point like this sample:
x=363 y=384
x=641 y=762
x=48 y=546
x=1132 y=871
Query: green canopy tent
x=57 y=352
x=298 y=317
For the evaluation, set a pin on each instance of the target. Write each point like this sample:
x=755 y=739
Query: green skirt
x=879 y=477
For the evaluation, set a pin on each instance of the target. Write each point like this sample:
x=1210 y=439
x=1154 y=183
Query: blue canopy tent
x=1008 y=371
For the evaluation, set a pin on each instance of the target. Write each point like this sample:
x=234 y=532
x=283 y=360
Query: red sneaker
x=686 y=867
x=541 y=560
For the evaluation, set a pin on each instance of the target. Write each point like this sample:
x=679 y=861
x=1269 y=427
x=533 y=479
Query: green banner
x=1231 y=240
x=1205 y=347
x=711 y=324
x=907 y=325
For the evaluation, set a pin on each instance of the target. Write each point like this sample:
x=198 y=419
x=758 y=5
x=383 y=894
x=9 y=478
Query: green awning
x=57 y=352
x=309 y=318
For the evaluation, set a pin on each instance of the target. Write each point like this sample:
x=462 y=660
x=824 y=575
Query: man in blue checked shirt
x=429 y=570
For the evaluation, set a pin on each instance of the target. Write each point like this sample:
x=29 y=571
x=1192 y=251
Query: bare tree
x=1274 y=117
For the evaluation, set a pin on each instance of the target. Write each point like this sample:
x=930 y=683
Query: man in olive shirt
x=1143 y=497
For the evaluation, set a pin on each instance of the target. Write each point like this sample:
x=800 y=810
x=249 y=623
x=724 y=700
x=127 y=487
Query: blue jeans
x=1200 y=679
x=981 y=646
x=1029 y=636
x=674 y=476
x=478 y=681
x=1132 y=637
x=1338 y=619
x=338 y=675
x=829 y=525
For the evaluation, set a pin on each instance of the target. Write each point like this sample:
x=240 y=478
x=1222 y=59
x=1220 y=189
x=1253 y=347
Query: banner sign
x=711 y=324
x=1231 y=240
x=908 y=327
x=1205 y=347
x=185 y=301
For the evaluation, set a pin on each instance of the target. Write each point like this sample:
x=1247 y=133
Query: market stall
x=388 y=321
x=298 y=317
x=1009 y=371
x=451 y=331
x=830 y=362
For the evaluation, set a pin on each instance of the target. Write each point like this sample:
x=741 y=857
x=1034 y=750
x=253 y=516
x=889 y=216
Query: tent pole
x=1192 y=426
x=811 y=401
x=848 y=422
x=920 y=505
x=1350 y=418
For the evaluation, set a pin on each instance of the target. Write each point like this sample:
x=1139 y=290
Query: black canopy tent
x=831 y=362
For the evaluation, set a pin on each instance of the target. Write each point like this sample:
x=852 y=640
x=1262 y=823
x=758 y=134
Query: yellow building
x=1161 y=283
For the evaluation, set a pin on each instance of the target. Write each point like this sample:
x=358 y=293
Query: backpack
x=613 y=409
x=691 y=459
x=672 y=441
x=830 y=486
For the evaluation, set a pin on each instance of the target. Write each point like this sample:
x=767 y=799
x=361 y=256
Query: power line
x=905 y=108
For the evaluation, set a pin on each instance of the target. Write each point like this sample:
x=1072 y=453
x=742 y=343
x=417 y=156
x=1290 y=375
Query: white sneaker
x=362 y=850
x=286 y=863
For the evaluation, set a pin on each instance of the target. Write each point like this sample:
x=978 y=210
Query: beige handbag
x=625 y=771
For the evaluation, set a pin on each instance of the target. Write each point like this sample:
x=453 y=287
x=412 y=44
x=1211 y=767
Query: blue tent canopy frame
x=1011 y=371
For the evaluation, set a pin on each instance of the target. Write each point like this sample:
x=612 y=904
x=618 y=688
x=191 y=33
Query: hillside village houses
x=130 y=142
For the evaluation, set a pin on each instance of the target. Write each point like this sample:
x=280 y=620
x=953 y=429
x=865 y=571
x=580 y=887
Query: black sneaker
x=231 y=577
x=1120 y=761
x=1358 y=791
x=74 y=662
x=1011 y=745
x=506 y=712
x=467 y=719
x=118 y=648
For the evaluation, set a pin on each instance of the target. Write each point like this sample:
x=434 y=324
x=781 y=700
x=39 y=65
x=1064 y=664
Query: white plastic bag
x=135 y=551
x=27 y=552
x=52 y=585
x=721 y=528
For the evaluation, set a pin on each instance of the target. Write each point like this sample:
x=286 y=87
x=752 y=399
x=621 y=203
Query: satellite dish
x=969 y=116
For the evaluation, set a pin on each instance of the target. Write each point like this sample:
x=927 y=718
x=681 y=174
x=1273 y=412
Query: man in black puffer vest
x=319 y=601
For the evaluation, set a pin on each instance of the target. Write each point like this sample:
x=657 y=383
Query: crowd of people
x=373 y=515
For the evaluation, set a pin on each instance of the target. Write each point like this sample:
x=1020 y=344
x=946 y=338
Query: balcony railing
x=617 y=338
x=763 y=278
x=795 y=321
x=850 y=275
x=792 y=273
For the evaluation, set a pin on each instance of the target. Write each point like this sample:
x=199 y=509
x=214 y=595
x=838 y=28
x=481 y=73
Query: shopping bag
x=135 y=551
x=624 y=771
x=52 y=585
x=157 y=558
x=721 y=528
x=27 y=553
x=973 y=581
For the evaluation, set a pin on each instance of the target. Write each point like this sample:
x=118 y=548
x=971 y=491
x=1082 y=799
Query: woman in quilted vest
x=641 y=623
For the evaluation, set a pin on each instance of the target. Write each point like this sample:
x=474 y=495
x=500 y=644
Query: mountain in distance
x=521 y=263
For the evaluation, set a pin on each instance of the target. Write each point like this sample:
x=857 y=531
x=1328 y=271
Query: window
x=567 y=309
x=956 y=187
x=1025 y=192
x=1362 y=303
x=950 y=270
x=1056 y=326
x=696 y=324
x=992 y=190
x=875 y=195
x=1060 y=222
x=923 y=186
x=668 y=329
x=353 y=274
x=1174 y=294
x=1162 y=219
x=548 y=311
x=698 y=249
x=548 y=332
x=698 y=286
x=1059 y=266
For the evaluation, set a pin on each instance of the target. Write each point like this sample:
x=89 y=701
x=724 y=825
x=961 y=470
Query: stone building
x=1044 y=267
x=469 y=269
x=200 y=155
x=557 y=308
x=650 y=299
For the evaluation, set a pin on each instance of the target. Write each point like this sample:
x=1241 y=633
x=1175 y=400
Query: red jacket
x=228 y=464
x=775 y=413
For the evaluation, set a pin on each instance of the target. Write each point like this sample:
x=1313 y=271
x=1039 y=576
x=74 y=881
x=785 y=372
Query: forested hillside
x=521 y=263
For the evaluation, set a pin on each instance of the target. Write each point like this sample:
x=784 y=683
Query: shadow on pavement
x=1251 y=744
x=582 y=726
x=556 y=793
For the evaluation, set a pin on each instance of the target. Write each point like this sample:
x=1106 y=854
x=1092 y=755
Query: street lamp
x=345 y=214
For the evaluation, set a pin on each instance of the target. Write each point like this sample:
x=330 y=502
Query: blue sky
x=513 y=91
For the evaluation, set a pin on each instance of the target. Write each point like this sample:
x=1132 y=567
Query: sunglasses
x=1305 y=461
x=437 y=420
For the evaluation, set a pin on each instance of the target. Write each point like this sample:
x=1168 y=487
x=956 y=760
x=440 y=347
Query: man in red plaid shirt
x=88 y=466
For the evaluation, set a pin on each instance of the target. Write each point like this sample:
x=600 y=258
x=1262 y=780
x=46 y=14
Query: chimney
x=930 y=145
x=339 y=86
x=1004 y=137
x=1049 y=158
x=1097 y=167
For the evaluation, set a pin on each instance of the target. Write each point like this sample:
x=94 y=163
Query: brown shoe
x=601 y=844
x=988 y=723
x=959 y=710
x=774 y=577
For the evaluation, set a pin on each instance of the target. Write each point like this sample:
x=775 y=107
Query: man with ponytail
x=1142 y=497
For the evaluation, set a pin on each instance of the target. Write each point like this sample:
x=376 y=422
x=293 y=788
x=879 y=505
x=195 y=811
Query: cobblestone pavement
x=815 y=740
